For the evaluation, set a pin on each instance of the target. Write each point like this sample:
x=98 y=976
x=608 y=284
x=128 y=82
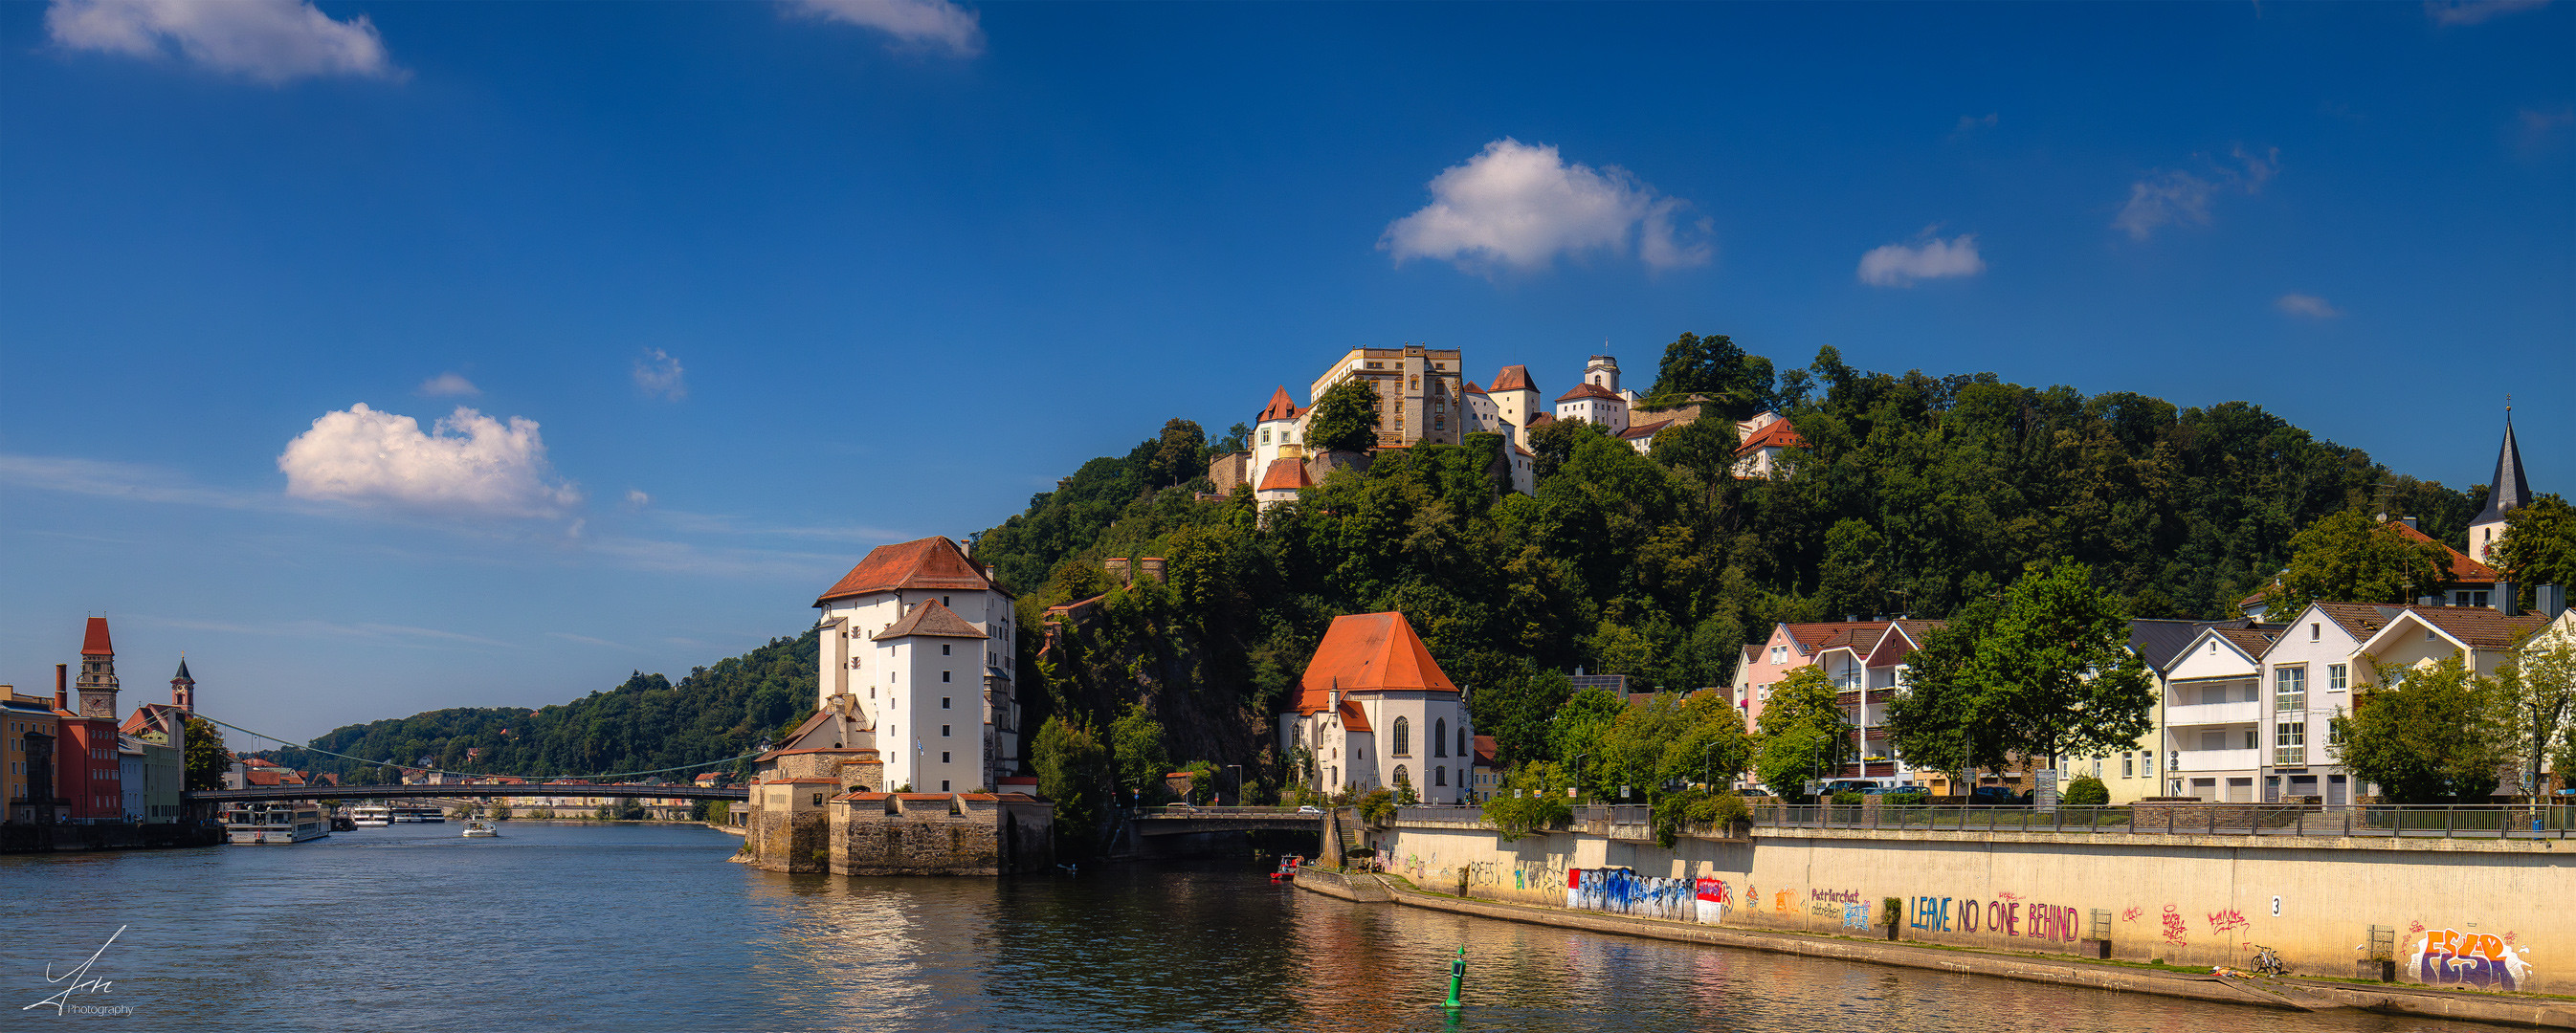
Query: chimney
x=2508 y=601
x=2552 y=600
x=62 y=686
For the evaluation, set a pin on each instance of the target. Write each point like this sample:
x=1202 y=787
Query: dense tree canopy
x=1916 y=494
x=646 y=723
x=2349 y=557
x=1346 y=418
x=2427 y=734
x=2538 y=546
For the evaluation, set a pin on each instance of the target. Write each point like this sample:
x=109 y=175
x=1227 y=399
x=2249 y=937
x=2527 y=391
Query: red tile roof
x=1487 y=752
x=1644 y=430
x=1514 y=378
x=928 y=563
x=2253 y=642
x=2463 y=568
x=1775 y=434
x=95 y=643
x=930 y=620
x=1285 y=475
x=1828 y=634
x=1365 y=652
x=1280 y=408
x=1354 y=719
x=1471 y=389
x=1542 y=419
x=1588 y=389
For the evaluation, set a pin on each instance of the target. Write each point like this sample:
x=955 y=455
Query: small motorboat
x=481 y=830
x=1287 y=871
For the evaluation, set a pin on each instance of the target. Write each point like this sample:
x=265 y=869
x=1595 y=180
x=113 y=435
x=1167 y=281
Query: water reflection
x=646 y=928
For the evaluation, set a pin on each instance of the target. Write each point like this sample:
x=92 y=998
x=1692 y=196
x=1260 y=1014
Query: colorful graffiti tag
x=2484 y=961
x=2003 y=917
x=1623 y=892
x=1855 y=916
x=2227 y=921
x=1710 y=898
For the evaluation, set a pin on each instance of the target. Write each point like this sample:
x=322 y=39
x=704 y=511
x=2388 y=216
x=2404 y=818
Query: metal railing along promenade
x=2466 y=821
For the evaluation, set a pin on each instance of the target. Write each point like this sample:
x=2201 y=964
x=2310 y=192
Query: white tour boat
x=481 y=830
x=372 y=817
x=263 y=824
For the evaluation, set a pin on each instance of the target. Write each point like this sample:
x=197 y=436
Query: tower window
x=943 y=731
x=943 y=676
x=943 y=703
x=943 y=758
x=943 y=649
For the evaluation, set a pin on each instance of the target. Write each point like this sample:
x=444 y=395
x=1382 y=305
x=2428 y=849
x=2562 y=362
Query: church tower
x=2507 y=491
x=183 y=689
x=97 y=682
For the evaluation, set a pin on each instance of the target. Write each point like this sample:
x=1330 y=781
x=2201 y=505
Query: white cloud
x=636 y=499
x=930 y=24
x=2308 y=305
x=2471 y=12
x=2176 y=196
x=1896 y=265
x=658 y=374
x=469 y=463
x=268 y=40
x=1518 y=205
x=447 y=385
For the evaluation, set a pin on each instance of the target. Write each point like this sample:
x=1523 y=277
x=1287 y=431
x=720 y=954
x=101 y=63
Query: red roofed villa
x=1375 y=709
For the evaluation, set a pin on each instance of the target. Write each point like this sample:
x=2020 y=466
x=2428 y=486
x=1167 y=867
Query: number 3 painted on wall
x=2276 y=907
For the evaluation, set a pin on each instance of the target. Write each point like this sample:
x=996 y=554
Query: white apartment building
x=917 y=663
x=2213 y=717
x=1598 y=399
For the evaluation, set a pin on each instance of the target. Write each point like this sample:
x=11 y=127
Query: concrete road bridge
x=457 y=792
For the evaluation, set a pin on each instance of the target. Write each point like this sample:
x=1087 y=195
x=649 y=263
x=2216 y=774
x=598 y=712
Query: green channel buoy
x=1457 y=975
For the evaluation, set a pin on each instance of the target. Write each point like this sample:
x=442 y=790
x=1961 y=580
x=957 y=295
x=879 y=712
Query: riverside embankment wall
x=2467 y=913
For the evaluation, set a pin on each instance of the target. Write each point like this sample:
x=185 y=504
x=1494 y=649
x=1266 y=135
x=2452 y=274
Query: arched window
x=1401 y=778
x=1440 y=738
x=1465 y=749
x=1440 y=776
x=1403 y=738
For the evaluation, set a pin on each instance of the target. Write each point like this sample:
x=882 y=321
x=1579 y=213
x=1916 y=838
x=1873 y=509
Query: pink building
x=1866 y=661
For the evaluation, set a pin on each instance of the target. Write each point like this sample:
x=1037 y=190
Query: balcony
x=2219 y=760
x=2242 y=712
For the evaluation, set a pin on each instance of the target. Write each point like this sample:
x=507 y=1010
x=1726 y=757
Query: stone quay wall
x=2451 y=914
x=809 y=825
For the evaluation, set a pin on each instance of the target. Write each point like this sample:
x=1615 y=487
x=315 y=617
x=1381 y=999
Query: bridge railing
x=2465 y=821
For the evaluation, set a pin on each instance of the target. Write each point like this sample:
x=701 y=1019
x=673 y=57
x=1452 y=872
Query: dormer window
x=2315 y=632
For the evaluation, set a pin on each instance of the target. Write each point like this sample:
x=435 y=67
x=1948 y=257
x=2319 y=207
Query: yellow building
x=1420 y=398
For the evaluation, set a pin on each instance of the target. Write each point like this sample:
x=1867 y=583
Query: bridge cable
x=284 y=744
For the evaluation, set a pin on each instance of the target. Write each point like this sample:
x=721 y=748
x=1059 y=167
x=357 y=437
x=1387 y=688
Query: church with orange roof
x=1374 y=709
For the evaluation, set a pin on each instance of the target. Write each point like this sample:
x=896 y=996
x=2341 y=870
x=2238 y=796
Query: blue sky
x=736 y=291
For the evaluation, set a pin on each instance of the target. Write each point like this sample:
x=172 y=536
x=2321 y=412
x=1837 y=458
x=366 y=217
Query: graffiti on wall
x=2482 y=960
x=1709 y=899
x=1624 y=892
x=2227 y=921
x=2177 y=931
x=2007 y=915
x=1855 y=916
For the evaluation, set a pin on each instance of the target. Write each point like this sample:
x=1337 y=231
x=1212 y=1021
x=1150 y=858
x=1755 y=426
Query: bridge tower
x=183 y=689
x=98 y=672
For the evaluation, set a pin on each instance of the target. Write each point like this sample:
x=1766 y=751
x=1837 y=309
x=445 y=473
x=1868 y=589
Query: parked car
x=1850 y=785
x=1310 y=809
x=1996 y=796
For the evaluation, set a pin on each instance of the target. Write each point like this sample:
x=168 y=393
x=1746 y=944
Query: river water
x=645 y=927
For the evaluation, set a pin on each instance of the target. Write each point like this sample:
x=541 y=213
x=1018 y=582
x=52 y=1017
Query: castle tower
x=1602 y=372
x=98 y=672
x=2507 y=491
x=183 y=689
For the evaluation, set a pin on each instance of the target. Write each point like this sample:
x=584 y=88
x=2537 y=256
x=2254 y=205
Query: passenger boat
x=373 y=817
x=423 y=815
x=278 y=824
x=481 y=830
